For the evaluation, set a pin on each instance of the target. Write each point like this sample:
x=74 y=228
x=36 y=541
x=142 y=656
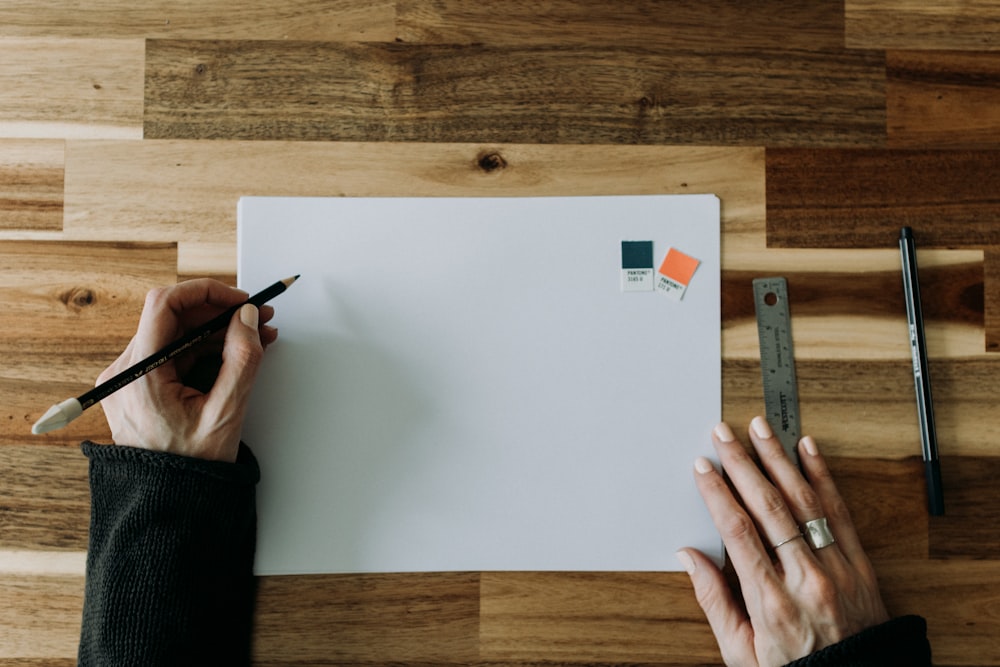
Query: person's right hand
x=166 y=411
x=796 y=599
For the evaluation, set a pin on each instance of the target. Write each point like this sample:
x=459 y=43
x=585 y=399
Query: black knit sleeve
x=170 y=561
x=900 y=642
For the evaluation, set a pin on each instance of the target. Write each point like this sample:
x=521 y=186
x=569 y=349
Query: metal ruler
x=777 y=361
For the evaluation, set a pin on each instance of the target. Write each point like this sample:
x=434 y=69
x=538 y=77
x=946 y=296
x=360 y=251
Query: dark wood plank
x=405 y=619
x=799 y=24
x=69 y=310
x=943 y=99
x=970 y=527
x=860 y=198
x=44 y=498
x=541 y=94
x=959 y=599
x=921 y=24
x=31 y=184
x=593 y=618
x=200 y=19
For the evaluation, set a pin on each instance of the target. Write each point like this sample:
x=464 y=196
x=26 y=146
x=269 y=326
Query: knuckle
x=807 y=499
x=737 y=526
x=771 y=501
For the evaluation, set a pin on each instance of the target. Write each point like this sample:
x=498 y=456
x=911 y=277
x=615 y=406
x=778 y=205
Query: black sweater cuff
x=901 y=641
x=170 y=560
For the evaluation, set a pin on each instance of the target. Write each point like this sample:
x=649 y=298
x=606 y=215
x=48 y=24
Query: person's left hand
x=193 y=405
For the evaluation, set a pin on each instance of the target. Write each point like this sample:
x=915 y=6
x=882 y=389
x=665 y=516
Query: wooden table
x=128 y=131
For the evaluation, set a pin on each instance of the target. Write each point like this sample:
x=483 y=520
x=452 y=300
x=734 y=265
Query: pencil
x=61 y=414
x=921 y=373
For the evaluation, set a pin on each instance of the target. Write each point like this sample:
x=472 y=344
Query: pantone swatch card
x=461 y=384
x=675 y=273
x=637 y=266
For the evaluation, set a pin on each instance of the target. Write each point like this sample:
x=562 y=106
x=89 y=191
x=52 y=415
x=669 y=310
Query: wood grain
x=187 y=191
x=40 y=618
x=550 y=617
x=943 y=100
x=918 y=24
x=200 y=19
x=44 y=498
x=861 y=198
x=368 y=619
x=991 y=295
x=797 y=24
x=31 y=184
x=970 y=528
x=544 y=94
x=60 y=88
x=70 y=308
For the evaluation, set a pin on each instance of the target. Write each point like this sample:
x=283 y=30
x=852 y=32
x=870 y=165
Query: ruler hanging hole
x=770 y=298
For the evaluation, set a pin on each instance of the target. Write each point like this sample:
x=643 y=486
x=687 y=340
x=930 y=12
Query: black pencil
x=921 y=373
x=61 y=414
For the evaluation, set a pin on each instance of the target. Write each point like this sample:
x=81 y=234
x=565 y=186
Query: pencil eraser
x=674 y=274
x=637 y=266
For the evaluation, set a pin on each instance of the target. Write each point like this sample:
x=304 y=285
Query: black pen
x=63 y=413
x=921 y=373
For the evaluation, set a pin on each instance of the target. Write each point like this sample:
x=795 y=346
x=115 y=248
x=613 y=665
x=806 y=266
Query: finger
x=241 y=355
x=161 y=320
x=834 y=508
x=727 y=618
x=750 y=560
x=763 y=501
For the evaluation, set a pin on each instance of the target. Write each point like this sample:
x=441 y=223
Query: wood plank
x=970 y=527
x=31 y=184
x=367 y=619
x=44 y=499
x=186 y=191
x=200 y=19
x=861 y=198
x=866 y=409
x=991 y=295
x=59 y=88
x=963 y=624
x=943 y=99
x=543 y=94
x=798 y=24
x=70 y=309
x=39 y=619
x=593 y=618
x=918 y=24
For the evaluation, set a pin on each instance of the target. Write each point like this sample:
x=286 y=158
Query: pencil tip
x=288 y=281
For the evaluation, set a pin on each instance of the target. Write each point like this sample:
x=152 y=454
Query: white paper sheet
x=463 y=385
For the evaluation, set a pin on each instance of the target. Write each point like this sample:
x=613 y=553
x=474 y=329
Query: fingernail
x=724 y=433
x=703 y=465
x=761 y=427
x=249 y=316
x=810 y=446
x=686 y=561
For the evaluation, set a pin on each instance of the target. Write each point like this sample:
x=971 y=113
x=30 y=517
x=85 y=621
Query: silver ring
x=790 y=539
x=818 y=533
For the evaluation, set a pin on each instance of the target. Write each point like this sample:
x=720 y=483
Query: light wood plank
x=544 y=94
x=368 y=619
x=943 y=99
x=70 y=309
x=920 y=24
x=186 y=191
x=40 y=619
x=200 y=19
x=799 y=24
x=31 y=184
x=991 y=296
x=589 y=618
x=59 y=88
x=44 y=499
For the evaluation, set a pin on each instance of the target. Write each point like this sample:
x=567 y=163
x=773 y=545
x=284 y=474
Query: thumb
x=241 y=355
